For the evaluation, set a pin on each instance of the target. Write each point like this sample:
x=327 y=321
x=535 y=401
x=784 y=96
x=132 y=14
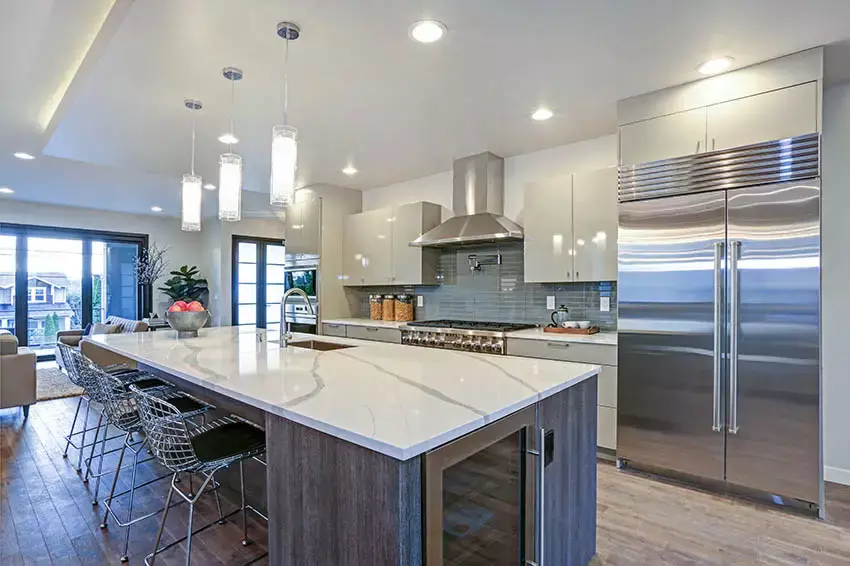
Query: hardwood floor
x=46 y=516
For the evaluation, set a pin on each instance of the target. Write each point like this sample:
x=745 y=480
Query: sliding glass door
x=53 y=279
x=258 y=281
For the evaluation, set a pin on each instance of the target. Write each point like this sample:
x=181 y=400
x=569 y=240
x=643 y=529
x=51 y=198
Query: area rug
x=53 y=384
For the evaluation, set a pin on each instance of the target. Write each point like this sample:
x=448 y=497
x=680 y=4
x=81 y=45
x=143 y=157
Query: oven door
x=479 y=496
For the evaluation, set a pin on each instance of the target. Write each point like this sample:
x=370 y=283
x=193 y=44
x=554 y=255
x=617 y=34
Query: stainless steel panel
x=776 y=448
x=764 y=163
x=666 y=333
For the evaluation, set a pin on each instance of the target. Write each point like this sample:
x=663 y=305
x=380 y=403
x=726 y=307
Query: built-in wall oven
x=302 y=273
x=483 y=495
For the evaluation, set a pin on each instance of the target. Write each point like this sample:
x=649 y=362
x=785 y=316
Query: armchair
x=17 y=374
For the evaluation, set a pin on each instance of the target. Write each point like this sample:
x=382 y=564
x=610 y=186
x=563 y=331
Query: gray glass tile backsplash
x=499 y=292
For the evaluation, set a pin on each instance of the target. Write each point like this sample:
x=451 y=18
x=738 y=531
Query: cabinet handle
x=712 y=144
x=698 y=142
x=577 y=275
x=557 y=345
x=539 y=498
x=370 y=329
x=332 y=325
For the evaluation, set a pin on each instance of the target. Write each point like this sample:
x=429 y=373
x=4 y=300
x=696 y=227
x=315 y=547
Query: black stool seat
x=150 y=383
x=228 y=440
x=187 y=405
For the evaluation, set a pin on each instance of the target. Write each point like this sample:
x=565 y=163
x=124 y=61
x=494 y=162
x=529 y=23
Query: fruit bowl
x=187 y=322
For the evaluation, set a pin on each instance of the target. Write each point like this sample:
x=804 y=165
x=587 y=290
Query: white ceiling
x=360 y=90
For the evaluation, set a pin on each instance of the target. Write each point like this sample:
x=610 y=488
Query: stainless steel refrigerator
x=719 y=319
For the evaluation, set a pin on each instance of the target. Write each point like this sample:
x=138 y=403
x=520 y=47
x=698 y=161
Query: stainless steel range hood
x=479 y=193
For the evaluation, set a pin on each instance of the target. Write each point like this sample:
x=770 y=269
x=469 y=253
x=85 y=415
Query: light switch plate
x=605 y=304
x=420 y=301
x=550 y=302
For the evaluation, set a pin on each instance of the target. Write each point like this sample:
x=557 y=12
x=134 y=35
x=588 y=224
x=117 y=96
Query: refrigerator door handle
x=716 y=425
x=734 y=323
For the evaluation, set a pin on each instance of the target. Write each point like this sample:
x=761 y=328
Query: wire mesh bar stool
x=88 y=380
x=204 y=451
x=69 y=361
x=121 y=411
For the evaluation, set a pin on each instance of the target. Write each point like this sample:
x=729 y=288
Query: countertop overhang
x=398 y=400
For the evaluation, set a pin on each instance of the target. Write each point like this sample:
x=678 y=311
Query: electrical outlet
x=550 y=302
x=420 y=301
x=605 y=304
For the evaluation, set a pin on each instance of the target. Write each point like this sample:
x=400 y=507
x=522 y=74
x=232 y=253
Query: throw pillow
x=87 y=331
x=100 y=328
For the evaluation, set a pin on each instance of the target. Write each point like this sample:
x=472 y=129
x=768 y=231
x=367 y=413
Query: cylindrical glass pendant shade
x=284 y=165
x=190 y=197
x=230 y=187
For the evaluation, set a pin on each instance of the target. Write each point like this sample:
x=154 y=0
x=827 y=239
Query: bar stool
x=121 y=411
x=205 y=451
x=88 y=380
x=67 y=353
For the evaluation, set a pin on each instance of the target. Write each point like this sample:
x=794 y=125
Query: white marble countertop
x=600 y=338
x=365 y=322
x=393 y=399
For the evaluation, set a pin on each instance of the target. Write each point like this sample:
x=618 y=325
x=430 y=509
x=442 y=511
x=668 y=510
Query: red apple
x=195 y=306
x=178 y=306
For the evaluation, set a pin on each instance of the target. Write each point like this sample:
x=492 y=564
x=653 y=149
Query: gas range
x=471 y=336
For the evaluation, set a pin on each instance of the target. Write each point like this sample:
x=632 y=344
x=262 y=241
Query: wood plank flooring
x=46 y=515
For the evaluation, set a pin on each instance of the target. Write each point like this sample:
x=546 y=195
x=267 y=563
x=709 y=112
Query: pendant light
x=190 y=192
x=230 y=164
x=285 y=137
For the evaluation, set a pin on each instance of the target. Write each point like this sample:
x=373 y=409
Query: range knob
x=496 y=346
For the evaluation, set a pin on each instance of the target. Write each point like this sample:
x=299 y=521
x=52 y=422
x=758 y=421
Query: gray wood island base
x=381 y=454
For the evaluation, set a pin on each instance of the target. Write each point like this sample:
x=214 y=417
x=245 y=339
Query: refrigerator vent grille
x=777 y=161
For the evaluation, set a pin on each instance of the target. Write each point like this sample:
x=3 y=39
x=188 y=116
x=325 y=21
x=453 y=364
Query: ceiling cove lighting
x=350 y=170
x=542 y=114
x=6 y=191
x=230 y=165
x=428 y=31
x=190 y=191
x=714 y=66
x=284 y=137
x=23 y=155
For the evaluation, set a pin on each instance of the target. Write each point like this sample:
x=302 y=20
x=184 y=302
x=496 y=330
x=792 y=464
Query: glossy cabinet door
x=595 y=225
x=377 y=237
x=353 y=251
x=660 y=138
x=775 y=115
x=413 y=265
x=548 y=220
x=303 y=222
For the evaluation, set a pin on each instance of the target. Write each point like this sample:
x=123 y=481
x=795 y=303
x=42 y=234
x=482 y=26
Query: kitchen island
x=388 y=454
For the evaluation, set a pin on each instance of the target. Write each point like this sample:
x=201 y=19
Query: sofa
x=74 y=338
x=17 y=374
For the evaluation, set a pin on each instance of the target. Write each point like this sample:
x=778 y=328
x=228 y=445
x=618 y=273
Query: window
x=38 y=294
x=258 y=281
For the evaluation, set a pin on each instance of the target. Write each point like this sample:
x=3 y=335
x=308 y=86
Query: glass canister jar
x=389 y=307
x=376 y=307
x=404 y=308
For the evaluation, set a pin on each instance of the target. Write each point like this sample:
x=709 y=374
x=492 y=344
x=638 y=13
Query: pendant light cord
x=193 y=141
x=286 y=81
x=232 y=106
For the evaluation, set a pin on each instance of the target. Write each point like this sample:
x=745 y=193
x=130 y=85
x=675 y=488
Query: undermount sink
x=319 y=345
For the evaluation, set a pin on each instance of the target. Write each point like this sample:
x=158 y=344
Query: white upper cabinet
x=377 y=251
x=303 y=223
x=660 y=138
x=548 y=230
x=595 y=222
x=775 y=115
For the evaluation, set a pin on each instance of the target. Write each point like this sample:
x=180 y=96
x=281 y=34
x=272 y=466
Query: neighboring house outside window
x=38 y=294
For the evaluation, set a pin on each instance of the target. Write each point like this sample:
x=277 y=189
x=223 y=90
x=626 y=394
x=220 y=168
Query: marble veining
x=397 y=400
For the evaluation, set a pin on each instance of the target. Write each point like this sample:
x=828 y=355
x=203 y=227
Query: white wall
x=183 y=247
x=520 y=170
x=835 y=235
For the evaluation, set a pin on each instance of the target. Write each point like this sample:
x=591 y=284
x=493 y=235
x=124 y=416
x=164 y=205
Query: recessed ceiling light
x=6 y=191
x=428 y=31
x=209 y=187
x=228 y=138
x=156 y=209
x=542 y=114
x=349 y=170
x=23 y=155
x=714 y=66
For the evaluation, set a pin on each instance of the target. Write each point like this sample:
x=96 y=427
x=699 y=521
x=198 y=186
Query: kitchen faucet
x=285 y=334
